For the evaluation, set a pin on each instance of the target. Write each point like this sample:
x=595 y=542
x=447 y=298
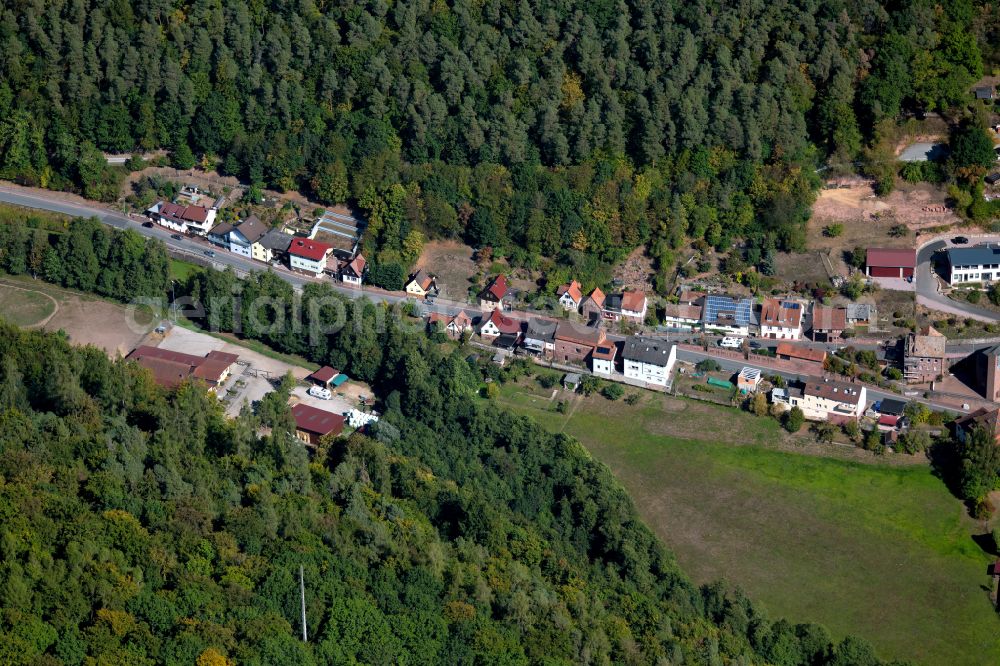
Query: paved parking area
x=243 y=390
x=339 y=404
x=199 y=344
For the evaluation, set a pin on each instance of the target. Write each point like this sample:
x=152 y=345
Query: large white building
x=830 y=400
x=781 y=319
x=244 y=239
x=973 y=264
x=649 y=360
x=182 y=218
x=308 y=255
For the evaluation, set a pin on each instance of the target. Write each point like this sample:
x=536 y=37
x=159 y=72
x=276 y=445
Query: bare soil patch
x=89 y=320
x=636 y=272
x=867 y=219
x=451 y=261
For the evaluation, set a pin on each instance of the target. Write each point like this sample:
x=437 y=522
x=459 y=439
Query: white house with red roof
x=305 y=254
x=179 y=217
x=491 y=298
x=353 y=271
x=570 y=295
x=498 y=324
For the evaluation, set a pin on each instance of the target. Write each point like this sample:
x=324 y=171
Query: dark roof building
x=276 y=241
x=170 y=368
x=252 y=229
x=652 y=351
x=311 y=423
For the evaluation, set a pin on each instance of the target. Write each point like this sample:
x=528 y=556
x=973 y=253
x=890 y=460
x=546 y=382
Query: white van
x=320 y=392
x=731 y=342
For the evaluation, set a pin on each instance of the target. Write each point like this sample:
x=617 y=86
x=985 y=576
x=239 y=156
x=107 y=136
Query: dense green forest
x=577 y=130
x=85 y=254
x=138 y=527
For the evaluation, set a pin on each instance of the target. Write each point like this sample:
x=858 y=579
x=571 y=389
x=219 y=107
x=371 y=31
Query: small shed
x=324 y=376
x=993 y=178
x=572 y=381
x=748 y=380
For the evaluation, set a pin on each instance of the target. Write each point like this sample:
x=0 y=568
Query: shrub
x=547 y=380
x=833 y=230
x=794 y=418
x=613 y=391
x=708 y=365
x=632 y=399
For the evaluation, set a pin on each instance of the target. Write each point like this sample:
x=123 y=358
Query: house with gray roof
x=979 y=264
x=649 y=360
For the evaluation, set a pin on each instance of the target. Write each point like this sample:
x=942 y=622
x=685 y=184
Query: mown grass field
x=25 y=307
x=878 y=549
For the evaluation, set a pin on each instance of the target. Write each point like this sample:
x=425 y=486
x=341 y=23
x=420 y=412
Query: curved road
x=927 y=287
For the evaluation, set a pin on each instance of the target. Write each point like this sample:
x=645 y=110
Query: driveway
x=928 y=284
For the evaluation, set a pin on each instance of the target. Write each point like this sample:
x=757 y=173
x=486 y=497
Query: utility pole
x=302 y=589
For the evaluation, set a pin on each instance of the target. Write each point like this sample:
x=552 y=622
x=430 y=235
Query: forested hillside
x=138 y=528
x=572 y=129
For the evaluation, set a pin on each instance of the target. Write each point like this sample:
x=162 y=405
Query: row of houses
x=775 y=319
x=629 y=305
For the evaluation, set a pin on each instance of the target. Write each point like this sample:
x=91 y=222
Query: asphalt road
x=199 y=246
x=735 y=365
x=927 y=284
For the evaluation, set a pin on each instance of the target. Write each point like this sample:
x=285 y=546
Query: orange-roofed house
x=781 y=319
x=353 y=271
x=570 y=295
x=787 y=351
x=498 y=324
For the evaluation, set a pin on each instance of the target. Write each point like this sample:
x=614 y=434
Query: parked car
x=209 y=253
x=960 y=240
x=148 y=224
x=177 y=236
x=320 y=392
x=755 y=345
x=731 y=342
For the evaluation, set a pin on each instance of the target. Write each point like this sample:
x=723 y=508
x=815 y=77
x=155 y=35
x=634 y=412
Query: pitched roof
x=691 y=296
x=653 y=351
x=317 y=421
x=889 y=257
x=170 y=368
x=196 y=214
x=606 y=351
x=252 y=228
x=974 y=256
x=892 y=406
x=726 y=311
x=276 y=240
x=422 y=278
x=682 y=311
x=590 y=336
x=541 y=329
x=829 y=319
x=356 y=266
x=633 y=301
x=597 y=296
x=496 y=289
x=503 y=323
x=982 y=417
x=781 y=314
x=927 y=343
x=461 y=320
x=831 y=389
x=309 y=249
x=324 y=374
x=573 y=289
x=800 y=352
x=221 y=229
